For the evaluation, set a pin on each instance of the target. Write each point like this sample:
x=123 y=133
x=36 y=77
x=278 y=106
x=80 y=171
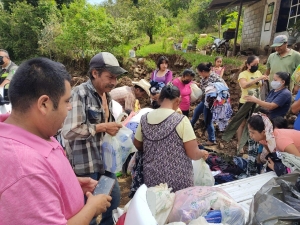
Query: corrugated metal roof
x=242 y=191
x=220 y=4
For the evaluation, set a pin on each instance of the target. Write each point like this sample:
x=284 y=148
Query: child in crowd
x=218 y=68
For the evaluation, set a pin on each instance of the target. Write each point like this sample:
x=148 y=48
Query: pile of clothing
x=225 y=171
x=217 y=99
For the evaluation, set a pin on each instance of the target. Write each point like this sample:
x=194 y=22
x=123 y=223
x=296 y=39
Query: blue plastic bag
x=214 y=216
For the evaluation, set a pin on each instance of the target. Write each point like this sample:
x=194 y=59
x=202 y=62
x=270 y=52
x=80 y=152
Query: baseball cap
x=279 y=40
x=108 y=61
x=143 y=84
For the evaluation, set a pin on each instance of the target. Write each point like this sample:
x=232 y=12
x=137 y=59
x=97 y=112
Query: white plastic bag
x=196 y=92
x=202 y=174
x=164 y=202
x=115 y=149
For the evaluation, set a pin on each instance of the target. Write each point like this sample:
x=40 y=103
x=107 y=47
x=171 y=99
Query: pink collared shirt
x=38 y=185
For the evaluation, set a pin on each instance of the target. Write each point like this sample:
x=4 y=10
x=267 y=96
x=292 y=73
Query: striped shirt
x=83 y=144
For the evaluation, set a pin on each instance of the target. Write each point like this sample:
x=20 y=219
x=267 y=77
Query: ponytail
x=169 y=92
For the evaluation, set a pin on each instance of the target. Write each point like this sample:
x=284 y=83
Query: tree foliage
x=35 y=3
x=74 y=29
x=21 y=27
x=151 y=17
x=174 y=6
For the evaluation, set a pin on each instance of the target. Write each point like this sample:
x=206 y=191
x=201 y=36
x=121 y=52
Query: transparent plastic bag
x=193 y=202
x=202 y=174
x=116 y=149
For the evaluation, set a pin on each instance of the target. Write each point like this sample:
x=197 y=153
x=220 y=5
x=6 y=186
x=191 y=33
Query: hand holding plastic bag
x=202 y=174
x=115 y=149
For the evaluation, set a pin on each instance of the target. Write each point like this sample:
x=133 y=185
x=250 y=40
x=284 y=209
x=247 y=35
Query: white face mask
x=276 y=84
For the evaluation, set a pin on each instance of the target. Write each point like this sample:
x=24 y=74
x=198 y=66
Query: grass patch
x=195 y=59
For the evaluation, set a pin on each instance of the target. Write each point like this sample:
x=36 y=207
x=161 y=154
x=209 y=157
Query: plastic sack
x=117 y=109
x=202 y=221
x=196 y=92
x=138 y=211
x=270 y=204
x=115 y=149
x=202 y=174
x=164 y=202
x=193 y=202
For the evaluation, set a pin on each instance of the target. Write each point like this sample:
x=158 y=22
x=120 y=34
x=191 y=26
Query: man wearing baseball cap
x=283 y=60
x=127 y=96
x=88 y=121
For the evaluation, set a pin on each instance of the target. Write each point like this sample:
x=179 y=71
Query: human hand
x=270 y=163
x=250 y=98
x=112 y=128
x=98 y=202
x=264 y=77
x=204 y=154
x=87 y=184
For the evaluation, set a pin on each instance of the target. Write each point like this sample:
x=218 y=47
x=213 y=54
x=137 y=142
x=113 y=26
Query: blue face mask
x=276 y=84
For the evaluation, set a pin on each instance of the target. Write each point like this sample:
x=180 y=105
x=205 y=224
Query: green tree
x=35 y=3
x=20 y=28
x=174 y=6
x=231 y=22
x=151 y=17
x=86 y=30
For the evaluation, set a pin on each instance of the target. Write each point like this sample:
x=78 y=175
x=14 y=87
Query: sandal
x=209 y=143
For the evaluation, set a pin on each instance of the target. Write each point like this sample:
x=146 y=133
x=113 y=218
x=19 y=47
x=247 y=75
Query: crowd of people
x=48 y=184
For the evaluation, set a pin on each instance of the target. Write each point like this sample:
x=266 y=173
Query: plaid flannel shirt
x=83 y=144
x=125 y=96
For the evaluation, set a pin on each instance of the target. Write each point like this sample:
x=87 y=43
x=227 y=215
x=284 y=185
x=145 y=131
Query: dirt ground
x=124 y=182
x=178 y=64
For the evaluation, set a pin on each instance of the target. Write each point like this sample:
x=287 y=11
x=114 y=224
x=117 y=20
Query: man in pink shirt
x=184 y=85
x=38 y=185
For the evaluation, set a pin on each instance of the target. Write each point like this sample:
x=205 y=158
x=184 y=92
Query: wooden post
x=237 y=27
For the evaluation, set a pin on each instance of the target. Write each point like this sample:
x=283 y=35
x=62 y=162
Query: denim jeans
x=209 y=124
x=201 y=108
x=115 y=202
x=197 y=112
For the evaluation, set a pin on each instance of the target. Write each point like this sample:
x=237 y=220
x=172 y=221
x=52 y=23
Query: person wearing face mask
x=284 y=59
x=8 y=68
x=250 y=81
x=184 y=85
x=168 y=144
x=279 y=99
